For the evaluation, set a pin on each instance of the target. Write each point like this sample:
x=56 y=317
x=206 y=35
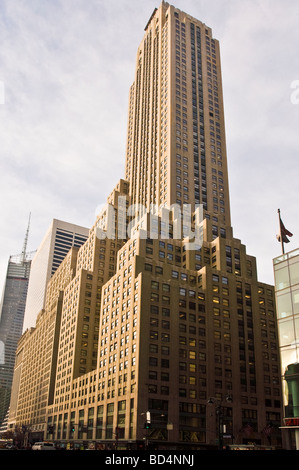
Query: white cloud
x=67 y=66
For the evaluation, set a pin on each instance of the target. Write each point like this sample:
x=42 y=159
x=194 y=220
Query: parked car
x=43 y=446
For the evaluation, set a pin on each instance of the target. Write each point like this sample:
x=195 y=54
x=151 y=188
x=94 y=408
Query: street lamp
x=219 y=413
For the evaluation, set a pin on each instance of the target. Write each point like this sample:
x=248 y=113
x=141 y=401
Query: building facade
x=36 y=355
x=152 y=326
x=176 y=148
x=63 y=344
x=286 y=273
x=57 y=242
x=11 y=322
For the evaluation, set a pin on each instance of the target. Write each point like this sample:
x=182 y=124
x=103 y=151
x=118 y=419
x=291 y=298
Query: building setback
x=63 y=345
x=149 y=327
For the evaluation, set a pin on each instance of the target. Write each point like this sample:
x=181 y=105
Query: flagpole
x=281 y=240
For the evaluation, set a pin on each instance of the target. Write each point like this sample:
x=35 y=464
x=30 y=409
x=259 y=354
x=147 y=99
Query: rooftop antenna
x=23 y=256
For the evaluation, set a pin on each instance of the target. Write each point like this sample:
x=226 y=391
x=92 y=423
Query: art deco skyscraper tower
x=145 y=326
x=176 y=149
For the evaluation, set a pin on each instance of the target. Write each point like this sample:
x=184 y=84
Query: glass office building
x=286 y=272
x=12 y=310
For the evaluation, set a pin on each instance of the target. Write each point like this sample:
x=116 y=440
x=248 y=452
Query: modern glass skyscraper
x=11 y=322
x=286 y=273
x=58 y=240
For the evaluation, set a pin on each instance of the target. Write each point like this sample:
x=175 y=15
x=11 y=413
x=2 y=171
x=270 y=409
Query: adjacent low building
x=286 y=273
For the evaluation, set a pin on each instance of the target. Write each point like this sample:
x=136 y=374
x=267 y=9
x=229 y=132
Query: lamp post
x=219 y=413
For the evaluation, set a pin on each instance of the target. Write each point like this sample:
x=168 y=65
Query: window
x=153 y=335
x=154 y=309
x=153 y=361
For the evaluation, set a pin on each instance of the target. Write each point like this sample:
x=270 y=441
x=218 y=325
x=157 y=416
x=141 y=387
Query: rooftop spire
x=26 y=240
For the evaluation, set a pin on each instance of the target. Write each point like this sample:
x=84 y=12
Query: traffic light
x=72 y=428
x=147 y=424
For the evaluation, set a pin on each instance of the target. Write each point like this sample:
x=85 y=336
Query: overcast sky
x=65 y=71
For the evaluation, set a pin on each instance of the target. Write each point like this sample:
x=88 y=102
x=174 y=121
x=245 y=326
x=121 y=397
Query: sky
x=65 y=71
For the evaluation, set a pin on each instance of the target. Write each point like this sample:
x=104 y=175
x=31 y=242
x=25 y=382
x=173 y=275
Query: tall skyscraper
x=176 y=149
x=158 y=343
x=11 y=320
x=57 y=242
